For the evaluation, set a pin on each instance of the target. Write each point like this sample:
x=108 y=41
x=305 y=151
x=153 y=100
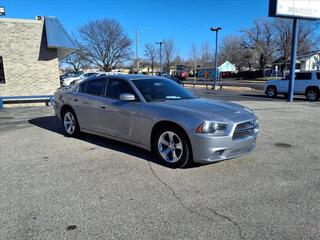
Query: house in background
x=208 y=68
x=30 y=51
x=306 y=62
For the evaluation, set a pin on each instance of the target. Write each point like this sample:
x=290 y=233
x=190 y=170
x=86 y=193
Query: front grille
x=244 y=130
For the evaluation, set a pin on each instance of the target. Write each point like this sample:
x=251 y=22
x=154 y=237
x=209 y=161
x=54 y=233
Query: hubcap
x=312 y=95
x=270 y=92
x=69 y=123
x=170 y=147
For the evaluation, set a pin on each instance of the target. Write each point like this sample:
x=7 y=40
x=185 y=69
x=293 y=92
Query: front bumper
x=208 y=148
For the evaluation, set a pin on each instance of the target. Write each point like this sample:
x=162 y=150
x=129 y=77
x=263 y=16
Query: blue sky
x=185 y=21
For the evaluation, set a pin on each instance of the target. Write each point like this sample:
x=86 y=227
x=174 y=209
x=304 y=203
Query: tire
x=172 y=148
x=312 y=94
x=70 y=123
x=271 y=91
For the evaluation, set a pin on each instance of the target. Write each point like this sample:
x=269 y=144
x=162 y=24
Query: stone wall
x=30 y=68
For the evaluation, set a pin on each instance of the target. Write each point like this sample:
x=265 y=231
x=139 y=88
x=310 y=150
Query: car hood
x=211 y=109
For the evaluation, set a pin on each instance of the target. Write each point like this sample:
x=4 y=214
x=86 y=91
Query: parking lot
x=54 y=187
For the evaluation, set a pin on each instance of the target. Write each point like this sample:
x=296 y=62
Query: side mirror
x=128 y=97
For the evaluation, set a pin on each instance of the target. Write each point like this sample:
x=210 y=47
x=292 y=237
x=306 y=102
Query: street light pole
x=160 y=43
x=216 y=55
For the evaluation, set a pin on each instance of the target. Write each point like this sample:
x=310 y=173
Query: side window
x=2 y=79
x=318 y=75
x=95 y=87
x=116 y=87
x=303 y=76
x=82 y=87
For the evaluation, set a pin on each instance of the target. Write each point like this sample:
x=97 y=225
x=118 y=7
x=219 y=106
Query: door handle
x=103 y=107
x=76 y=100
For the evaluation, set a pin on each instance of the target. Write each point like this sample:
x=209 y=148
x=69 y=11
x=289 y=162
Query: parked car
x=175 y=79
x=159 y=115
x=97 y=74
x=70 y=74
x=306 y=83
x=67 y=81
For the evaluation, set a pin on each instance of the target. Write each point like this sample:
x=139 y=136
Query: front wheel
x=70 y=123
x=312 y=94
x=171 y=146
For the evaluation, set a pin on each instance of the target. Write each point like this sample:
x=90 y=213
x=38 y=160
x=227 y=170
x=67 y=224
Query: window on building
x=304 y=76
x=2 y=78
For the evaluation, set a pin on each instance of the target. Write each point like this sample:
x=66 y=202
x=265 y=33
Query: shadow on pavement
x=52 y=123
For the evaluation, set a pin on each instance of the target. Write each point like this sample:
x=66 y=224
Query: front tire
x=172 y=148
x=271 y=91
x=70 y=123
x=312 y=94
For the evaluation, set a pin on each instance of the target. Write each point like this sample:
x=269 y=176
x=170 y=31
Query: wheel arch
x=165 y=123
x=312 y=87
x=64 y=108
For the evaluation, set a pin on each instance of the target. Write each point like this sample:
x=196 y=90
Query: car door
x=303 y=80
x=87 y=103
x=120 y=118
x=283 y=85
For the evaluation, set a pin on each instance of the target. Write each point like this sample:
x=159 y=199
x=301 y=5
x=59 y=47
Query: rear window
x=303 y=76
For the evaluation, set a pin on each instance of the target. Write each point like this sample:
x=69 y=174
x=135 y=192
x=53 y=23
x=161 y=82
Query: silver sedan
x=159 y=115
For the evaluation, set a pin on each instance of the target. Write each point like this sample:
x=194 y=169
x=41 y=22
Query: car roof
x=126 y=77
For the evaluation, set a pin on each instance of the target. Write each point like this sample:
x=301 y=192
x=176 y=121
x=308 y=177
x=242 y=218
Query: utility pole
x=137 y=52
x=160 y=43
x=216 y=55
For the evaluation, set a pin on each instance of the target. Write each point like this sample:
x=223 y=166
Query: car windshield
x=161 y=90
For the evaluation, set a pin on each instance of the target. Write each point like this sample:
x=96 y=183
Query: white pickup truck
x=306 y=83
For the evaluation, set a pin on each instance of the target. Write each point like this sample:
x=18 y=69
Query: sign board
x=2 y=11
x=307 y=9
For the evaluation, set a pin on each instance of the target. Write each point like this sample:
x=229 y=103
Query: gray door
x=119 y=118
x=87 y=104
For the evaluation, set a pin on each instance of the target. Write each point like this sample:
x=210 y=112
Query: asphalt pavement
x=54 y=187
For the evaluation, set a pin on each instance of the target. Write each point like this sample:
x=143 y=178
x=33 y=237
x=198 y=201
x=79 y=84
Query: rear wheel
x=70 y=123
x=271 y=91
x=171 y=146
x=312 y=94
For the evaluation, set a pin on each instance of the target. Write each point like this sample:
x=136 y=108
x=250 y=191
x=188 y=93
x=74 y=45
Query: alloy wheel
x=312 y=95
x=170 y=147
x=69 y=123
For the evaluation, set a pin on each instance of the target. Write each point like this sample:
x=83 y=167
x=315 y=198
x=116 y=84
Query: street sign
x=2 y=11
x=306 y=9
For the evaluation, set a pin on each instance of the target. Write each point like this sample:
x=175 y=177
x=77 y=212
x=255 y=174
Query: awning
x=58 y=38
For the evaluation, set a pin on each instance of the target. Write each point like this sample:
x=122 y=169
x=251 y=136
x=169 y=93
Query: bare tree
x=206 y=53
x=151 y=54
x=194 y=56
x=260 y=41
x=307 y=42
x=76 y=60
x=169 y=53
x=105 y=43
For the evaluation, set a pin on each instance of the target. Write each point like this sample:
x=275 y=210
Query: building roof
x=58 y=38
x=207 y=65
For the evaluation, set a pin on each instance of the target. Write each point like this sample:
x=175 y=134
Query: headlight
x=215 y=128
